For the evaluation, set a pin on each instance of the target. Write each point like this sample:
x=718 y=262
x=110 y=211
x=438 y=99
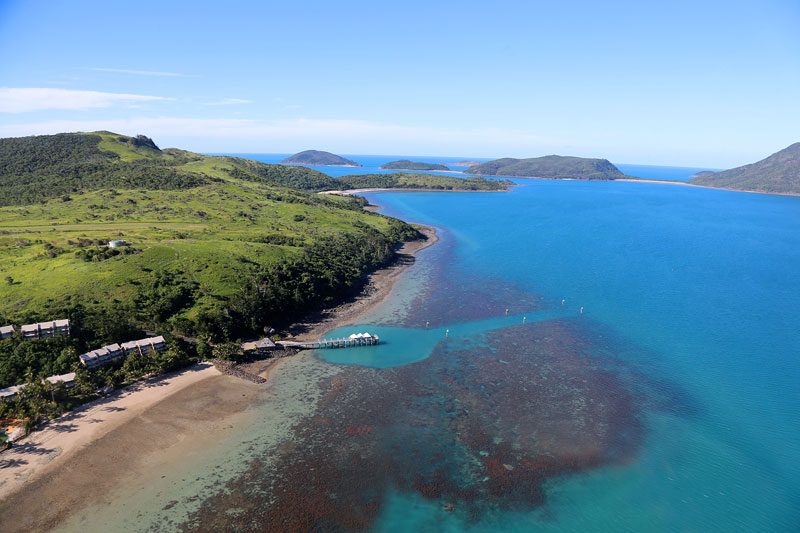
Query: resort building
x=9 y=393
x=144 y=346
x=259 y=346
x=101 y=356
x=30 y=331
x=45 y=329
x=68 y=379
x=112 y=352
x=6 y=331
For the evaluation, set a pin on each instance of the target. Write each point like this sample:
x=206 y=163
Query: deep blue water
x=656 y=172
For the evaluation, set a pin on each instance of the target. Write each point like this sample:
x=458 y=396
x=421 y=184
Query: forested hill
x=319 y=158
x=551 y=166
x=778 y=173
x=216 y=248
x=33 y=169
x=405 y=164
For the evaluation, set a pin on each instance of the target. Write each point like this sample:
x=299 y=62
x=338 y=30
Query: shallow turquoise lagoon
x=402 y=346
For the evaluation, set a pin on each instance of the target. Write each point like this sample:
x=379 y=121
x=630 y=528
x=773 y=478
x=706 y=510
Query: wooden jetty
x=354 y=340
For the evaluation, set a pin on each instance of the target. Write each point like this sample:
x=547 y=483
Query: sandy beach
x=75 y=460
x=116 y=441
x=685 y=184
x=48 y=448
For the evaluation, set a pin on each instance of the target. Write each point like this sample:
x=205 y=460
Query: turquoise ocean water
x=701 y=292
x=670 y=403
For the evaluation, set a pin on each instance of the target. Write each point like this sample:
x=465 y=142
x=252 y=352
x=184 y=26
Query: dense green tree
x=228 y=351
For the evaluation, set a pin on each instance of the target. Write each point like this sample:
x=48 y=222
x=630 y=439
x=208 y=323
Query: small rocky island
x=405 y=164
x=550 y=166
x=319 y=158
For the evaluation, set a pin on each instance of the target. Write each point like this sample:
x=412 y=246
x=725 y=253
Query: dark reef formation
x=480 y=425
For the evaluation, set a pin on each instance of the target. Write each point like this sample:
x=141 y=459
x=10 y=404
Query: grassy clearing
x=213 y=235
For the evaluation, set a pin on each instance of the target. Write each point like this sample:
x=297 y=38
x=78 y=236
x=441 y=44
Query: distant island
x=319 y=158
x=405 y=164
x=778 y=173
x=551 y=166
x=465 y=164
x=404 y=180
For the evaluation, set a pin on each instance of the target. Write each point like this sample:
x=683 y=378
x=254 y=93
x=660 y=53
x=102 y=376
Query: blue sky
x=705 y=83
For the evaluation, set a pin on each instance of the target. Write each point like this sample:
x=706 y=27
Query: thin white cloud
x=21 y=100
x=347 y=136
x=139 y=72
x=229 y=101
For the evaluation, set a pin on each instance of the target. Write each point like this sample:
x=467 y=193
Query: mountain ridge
x=777 y=173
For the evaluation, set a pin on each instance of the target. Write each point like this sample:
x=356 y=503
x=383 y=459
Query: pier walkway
x=356 y=339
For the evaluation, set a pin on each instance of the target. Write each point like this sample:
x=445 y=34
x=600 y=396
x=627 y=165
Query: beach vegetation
x=228 y=351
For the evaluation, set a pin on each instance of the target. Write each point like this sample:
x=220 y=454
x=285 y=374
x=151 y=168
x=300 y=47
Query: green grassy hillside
x=217 y=247
x=33 y=169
